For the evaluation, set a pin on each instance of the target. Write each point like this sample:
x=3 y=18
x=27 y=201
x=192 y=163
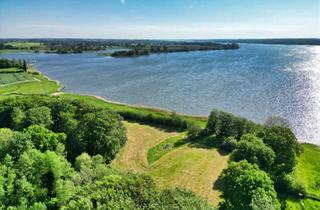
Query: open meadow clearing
x=187 y=167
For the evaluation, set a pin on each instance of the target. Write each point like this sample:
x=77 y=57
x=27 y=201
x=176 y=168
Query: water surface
x=255 y=81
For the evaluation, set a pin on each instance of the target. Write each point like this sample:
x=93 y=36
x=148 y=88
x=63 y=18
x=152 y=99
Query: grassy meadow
x=26 y=83
x=183 y=166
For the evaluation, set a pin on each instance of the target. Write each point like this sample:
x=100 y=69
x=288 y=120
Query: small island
x=140 y=50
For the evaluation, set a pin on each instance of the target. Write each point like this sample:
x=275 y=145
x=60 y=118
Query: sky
x=160 y=19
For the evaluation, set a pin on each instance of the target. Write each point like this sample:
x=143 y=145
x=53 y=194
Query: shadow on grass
x=208 y=142
x=158 y=126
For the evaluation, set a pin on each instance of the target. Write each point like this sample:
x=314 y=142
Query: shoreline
x=151 y=108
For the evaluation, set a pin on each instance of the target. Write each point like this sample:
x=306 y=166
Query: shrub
x=229 y=144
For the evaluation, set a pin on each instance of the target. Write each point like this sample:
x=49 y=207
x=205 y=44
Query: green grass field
x=26 y=83
x=24 y=45
x=12 y=78
x=308 y=171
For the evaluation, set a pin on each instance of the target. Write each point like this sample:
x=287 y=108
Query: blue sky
x=164 y=19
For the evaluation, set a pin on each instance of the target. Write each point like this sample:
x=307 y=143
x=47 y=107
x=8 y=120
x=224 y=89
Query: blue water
x=255 y=81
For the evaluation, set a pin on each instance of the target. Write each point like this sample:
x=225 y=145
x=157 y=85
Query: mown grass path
x=187 y=167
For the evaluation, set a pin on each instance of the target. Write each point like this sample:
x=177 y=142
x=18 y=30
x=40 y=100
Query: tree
x=194 y=130
x=35 y=179
x=243 y=184
x=253 y=150
x=285 y=145
x=24 y=66
x=39 y=116
x=17 y=118
x=276 y=121
x=100 y=132
x=44 y=139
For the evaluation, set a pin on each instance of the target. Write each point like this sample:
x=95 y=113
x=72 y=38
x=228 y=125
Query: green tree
x=285 y=145
x=253 y=150
x=44 y=139
x=100 y=132
x=243 y=184
x=39 y=116
x=17 y=118
x=35 y=180
x=24 y=66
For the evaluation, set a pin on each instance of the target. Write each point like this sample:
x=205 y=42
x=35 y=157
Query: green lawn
x=9 y=78
x=309 y=168
x=308 y=171
x=168 y=145
x=26 y=83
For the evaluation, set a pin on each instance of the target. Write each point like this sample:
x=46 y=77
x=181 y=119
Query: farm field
x=26 y=83
x=12 y=78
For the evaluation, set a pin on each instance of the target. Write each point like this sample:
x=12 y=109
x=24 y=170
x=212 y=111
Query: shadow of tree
x=160 y=127
x=208 y=142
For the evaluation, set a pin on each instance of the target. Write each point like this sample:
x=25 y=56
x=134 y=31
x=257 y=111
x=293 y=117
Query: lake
x=255 y=81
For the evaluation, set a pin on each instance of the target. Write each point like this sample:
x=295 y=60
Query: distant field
x=187 y=167
x=25 y=83
x=24 y=45
x=14 y=77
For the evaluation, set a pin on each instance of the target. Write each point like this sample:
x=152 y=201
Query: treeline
x=6 y=63
x=135 y=47
x=53 y=155
x=140 y=50
x=262 y=161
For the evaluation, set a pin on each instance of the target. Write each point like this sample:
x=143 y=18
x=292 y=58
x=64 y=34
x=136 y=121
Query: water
x=255 y=81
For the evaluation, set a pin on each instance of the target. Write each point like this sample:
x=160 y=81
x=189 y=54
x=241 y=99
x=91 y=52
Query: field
x=14 y=78
x=26 y=83
x=23 y=46
x=308 y=171
x=185 y=166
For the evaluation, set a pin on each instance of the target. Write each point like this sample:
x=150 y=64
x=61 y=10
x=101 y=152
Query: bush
x=194 y=130
x=290 y=184
x=229 y=144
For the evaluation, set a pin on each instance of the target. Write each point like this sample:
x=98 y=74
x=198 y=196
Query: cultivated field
x=11 y=78
x=186 y=166
x=26 y=83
